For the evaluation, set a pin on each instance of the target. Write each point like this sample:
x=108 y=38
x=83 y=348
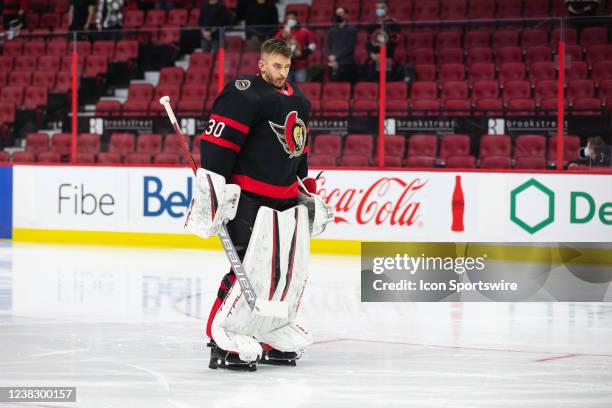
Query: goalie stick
x=257 y=305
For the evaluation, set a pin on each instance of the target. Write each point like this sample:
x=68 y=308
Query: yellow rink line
x=503 y=252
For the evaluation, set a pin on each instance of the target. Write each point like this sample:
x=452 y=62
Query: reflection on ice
x=125 y=326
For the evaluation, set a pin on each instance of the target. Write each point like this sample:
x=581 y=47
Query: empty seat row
x=454 y=150
x=504 y=37
x=121 y=143
x=536 y=71
x=434 y=10
x=85 y=157
x=502 y=55
x=122 y=50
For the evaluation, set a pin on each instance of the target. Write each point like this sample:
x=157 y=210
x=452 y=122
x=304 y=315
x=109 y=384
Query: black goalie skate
x=220 y=358
x=280 y=358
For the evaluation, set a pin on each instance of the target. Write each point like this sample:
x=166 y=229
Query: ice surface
x=126 y=327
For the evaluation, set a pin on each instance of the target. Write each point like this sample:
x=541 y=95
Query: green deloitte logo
x=536 y=190
x=532 y=207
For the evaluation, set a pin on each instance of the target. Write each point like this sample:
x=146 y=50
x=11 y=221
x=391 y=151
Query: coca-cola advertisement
x=403 y=206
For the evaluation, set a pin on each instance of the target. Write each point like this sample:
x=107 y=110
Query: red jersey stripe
x=241 y=127
x=265 y=189
x=221 y=142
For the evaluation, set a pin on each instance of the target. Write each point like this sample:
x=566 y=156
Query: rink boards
x=146 y=206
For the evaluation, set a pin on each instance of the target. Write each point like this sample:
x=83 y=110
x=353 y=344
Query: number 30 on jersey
x=214 y=128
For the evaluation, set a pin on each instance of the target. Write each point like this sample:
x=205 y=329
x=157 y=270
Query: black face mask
x=339 y=19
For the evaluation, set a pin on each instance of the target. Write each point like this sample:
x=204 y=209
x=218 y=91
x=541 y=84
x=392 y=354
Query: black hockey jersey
x=257 y=137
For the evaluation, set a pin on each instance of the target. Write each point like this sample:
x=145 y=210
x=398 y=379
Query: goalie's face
x=274 y=68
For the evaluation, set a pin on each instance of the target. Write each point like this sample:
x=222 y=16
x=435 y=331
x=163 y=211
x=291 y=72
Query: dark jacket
x=391 y=28
x=341 y=43
x=213 y=15
x=255 y=14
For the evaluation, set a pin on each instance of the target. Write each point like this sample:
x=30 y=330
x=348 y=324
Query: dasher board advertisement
x=468 y=207
x=370 y=205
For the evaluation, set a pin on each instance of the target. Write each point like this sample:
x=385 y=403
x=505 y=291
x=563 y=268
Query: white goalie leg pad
x=289 y=338
x=276 y=263
x=247 y=347
x=213 y=202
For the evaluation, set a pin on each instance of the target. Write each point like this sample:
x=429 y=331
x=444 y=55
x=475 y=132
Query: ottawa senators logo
x=379 y=37
x=292 y=135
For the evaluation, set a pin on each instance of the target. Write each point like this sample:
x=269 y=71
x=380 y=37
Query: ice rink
x=125 y=326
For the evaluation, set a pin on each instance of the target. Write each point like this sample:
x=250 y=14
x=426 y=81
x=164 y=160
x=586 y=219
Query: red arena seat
x=150 y=143
x=454 y=145
x=460 y=162
x=495 y=162
x=495 y=146
x=37 y=143
x=322 y=160
x=121 y=143
x=354 y=160
x=167 y=158
x=530 y=146
x=88 y=143
x=423 y=146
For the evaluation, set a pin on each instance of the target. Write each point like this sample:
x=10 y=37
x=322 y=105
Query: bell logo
x=527 y=209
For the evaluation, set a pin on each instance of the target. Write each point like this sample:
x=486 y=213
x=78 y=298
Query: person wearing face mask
x=340 y=48
x=384 y=29
x=596 y=153
x=302 y=42
x=260 y=18
x=213 y=14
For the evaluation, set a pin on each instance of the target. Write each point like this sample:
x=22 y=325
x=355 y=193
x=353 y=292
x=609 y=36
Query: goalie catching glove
x=320 y=214
x=213 y=202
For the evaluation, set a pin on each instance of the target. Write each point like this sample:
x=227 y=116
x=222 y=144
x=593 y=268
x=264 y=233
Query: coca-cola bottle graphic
x=457 y=206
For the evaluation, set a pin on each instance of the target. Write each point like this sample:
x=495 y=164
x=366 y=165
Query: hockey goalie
x=254 y=174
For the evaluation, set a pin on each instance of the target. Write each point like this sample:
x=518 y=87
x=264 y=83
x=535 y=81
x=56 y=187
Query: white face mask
x=291 y=23
x=585 y=152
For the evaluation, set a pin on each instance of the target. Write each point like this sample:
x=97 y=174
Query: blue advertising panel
x=6 y=202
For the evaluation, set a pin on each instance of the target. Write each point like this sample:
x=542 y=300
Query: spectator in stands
x=596 y=154
x=340 y=48
x=260 y=18
x=23 y=8
x=582 y=8
x=302 y=42
x=385 y=29
x=165 y=4
x=80 y=14
x=212 y=15
x=109 y=15
x=10 y=12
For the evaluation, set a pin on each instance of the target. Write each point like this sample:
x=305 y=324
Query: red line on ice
x=542 y=360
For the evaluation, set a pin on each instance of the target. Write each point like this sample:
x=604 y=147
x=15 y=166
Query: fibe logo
x=156 y=203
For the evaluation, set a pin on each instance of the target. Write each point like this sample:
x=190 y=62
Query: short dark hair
x=597 y=143
x=276 y=46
